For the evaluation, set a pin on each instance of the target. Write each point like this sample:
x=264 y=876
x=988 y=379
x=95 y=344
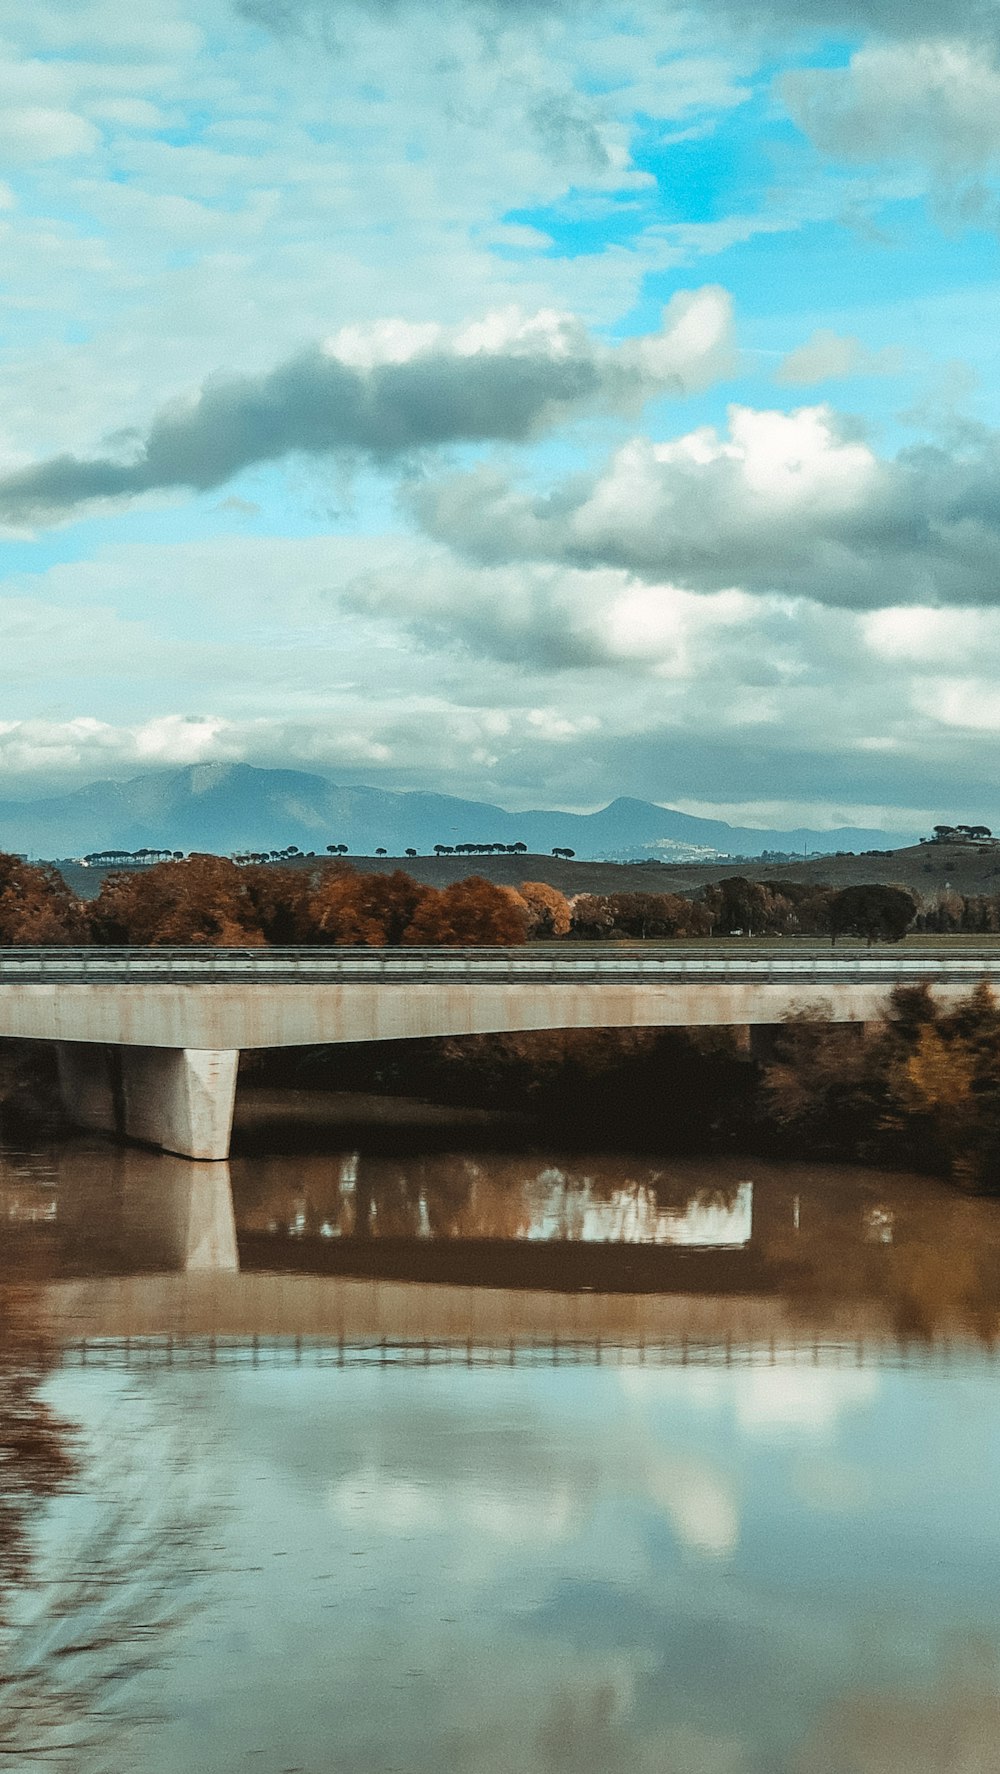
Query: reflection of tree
x=78 y=1628
x=952 y=1726
x=461 y=1195
x=929 y=1256
x=35 y=1454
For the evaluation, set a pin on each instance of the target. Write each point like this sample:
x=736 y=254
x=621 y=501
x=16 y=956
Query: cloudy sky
x=539 y=400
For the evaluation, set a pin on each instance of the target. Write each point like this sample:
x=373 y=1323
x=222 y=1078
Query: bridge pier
x=178 y=1098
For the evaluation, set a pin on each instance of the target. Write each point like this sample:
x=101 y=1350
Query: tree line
x=205 y=899
x=919 y=1088
x=211 y=900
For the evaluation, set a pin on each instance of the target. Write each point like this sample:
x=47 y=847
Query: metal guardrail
x=573 y=964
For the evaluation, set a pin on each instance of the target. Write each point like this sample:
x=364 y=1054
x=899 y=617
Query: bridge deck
x=799 y=963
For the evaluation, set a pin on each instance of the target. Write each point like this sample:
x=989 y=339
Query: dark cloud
x=286 y=16
x=789 y=504
x=865 y=18
x=316 y=405
x=503 y=388
x=977 y=19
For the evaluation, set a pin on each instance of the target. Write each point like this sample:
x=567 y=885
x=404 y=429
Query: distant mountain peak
x=236 y=806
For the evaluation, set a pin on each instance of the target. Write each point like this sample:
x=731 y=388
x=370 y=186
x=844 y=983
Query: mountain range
x=236 y=807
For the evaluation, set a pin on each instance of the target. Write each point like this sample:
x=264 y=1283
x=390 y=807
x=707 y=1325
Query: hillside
x=923 y=868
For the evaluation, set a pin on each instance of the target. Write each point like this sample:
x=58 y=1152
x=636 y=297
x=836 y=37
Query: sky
x=531 y=400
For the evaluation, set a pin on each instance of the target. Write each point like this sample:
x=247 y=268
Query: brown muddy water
x=392 y=1454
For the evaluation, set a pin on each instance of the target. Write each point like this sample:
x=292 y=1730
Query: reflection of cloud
x=800 y=1398
x=400 y=1506
x=762 y=1399
x=701 y=1506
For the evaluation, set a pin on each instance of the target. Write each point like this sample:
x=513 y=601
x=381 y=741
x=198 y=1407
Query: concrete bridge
x=148 y=1040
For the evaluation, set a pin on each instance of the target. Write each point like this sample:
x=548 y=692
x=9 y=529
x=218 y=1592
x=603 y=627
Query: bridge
x=148 y=1040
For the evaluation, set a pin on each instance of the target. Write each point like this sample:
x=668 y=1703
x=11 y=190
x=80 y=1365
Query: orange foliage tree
x=279 y=898
x=37 y=907
x=370 y=911
x=548 y=910
x=202 y=900
x=469 y=914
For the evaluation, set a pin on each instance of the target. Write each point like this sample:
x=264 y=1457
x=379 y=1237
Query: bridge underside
x=157 y=1061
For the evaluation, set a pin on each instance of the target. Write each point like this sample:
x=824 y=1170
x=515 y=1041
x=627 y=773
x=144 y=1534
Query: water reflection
x=710 y=1572
x=96 y=1567
x=608 y=1199
x=714 y=1524
x=819 y=1247
x=92 y=1208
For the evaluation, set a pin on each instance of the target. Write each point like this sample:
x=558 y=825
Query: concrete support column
x=87 y=1086
x=178 y=1098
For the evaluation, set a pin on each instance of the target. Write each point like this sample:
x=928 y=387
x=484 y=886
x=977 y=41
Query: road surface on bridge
x=574 y=963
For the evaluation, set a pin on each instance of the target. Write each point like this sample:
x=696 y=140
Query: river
x=392 y=1456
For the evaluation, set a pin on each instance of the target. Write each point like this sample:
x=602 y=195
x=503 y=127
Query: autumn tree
x=279 y=899
x=825 y=1090
x=548 y=911
x=800 y=908
x=368 y=911
x=202 y=900
x=469 y=914
x=37 y=909
x=657 y=915
x=944 y=1082
x=591 y=917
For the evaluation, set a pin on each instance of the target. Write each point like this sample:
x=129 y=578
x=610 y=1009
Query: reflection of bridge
x=145 y=1353
x=841 y=1266
x=149 y=1039
x=258 y=1319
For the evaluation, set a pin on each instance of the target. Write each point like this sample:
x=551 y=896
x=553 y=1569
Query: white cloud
x=928 y=638
x=39 y=132
x=828 y=356
x=297 y=193
x=556 y=618
x=384 y=659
